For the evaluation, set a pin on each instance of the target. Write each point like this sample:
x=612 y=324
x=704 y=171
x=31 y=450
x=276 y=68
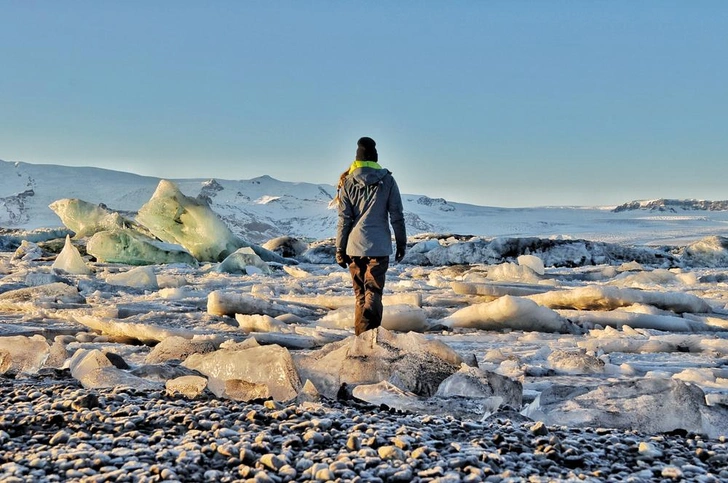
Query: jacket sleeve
x=396 y=215
x=346 y=221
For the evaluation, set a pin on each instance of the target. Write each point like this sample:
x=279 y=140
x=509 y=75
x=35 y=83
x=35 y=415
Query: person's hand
x=399 y=254
x=342 y=259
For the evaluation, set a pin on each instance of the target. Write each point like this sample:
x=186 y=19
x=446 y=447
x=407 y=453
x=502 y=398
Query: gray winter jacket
x=369 y=202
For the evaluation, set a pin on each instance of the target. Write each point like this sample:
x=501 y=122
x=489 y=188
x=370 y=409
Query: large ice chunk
x=179 y=348
x=338 y=301
x=620 y=318
x=133 y=248
x=139 y=277
x=411 y=361
x=510 y=272
x=85 y=218
x=711 y=251
x=70 y=261
x=509 y=312
x=259 y=323
x=532 y=262
x=23 y=355
x=189 y=386
x=495 y=290
x=270 y=365
x=175 y=218
x=402 y=318
x=575 y=362
x=232 y=303
x=652 y=405
x=93 y=369
x=27 y=252
x=243 y=261
x=146 y=333
x=473 y=382
x=52 y=295
x=286 y=246
x=392 y=396
x=607 y=298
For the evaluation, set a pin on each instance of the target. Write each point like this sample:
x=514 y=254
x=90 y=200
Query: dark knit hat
x=366 y=150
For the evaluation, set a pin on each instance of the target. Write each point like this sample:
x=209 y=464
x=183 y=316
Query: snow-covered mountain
x=673 y=205
x=262 y=208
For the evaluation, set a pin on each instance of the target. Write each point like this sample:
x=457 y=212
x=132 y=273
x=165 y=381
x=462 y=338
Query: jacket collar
x=363 y=164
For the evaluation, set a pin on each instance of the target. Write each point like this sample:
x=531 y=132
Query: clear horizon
x=508 y=104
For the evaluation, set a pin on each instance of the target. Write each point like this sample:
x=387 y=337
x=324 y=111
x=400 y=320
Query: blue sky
x=501 y=103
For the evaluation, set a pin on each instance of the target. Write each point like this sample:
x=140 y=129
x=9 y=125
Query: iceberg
x=70 y=261
x=175 y=218
x=133 y=248
x=85 y=219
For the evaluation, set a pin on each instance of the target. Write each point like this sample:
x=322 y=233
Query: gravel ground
x=58 y=431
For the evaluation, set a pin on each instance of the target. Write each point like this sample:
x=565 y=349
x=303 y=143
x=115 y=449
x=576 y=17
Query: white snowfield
x=585 y=326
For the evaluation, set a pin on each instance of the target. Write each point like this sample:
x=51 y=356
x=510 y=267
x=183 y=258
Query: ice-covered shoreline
x=567 y=334
x=58 y=432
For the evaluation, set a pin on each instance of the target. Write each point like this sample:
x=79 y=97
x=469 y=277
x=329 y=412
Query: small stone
x=672 y=472
x=302 y=464
x=391 y=453
x=649 y=450
x=61 y=437
x=273 y=405
x=539 y=429
x=404 y=474
x=287 y=472
x=420 y=453
x=272 y=462
x=313 y=437
x=353 y=443
x=324 y=475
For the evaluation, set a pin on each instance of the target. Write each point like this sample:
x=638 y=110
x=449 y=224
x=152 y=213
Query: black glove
x=399 y=254
x=342 y=259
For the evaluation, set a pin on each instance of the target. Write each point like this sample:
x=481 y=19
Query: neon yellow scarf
x=363 y=164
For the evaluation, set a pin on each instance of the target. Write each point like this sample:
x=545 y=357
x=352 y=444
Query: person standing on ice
x=368 y=201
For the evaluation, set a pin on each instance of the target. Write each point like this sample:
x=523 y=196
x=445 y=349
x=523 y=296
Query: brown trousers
x=367 y=276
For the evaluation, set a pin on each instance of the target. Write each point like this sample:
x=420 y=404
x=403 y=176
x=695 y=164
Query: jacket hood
x=369 y=176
